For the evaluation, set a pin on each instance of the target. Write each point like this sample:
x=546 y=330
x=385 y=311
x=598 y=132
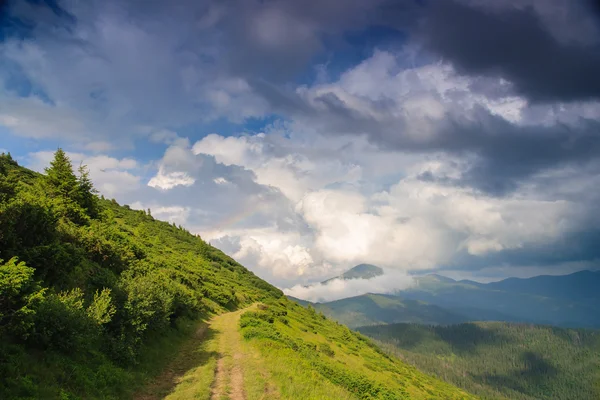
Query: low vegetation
x=498 y=360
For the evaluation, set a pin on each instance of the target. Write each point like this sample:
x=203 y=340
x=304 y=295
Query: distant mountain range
x=567 y=300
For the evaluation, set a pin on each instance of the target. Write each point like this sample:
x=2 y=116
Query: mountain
x=372 y=309
x=568 y=300
x=497 y=360
x=99 y=301
x=361 y=271
x=580 y=286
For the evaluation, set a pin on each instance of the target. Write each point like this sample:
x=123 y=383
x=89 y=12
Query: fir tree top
x=60 y=174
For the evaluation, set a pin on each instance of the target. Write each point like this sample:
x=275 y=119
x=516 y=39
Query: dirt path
x=229 y=376
x=215 y=364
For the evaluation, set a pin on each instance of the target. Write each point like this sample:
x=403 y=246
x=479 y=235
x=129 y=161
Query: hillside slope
x=95 y=295
x=96 y=299
x=501 y=360
x=375 y=309
x=302 y=348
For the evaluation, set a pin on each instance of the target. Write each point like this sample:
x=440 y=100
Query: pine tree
x=88 y=198
x=60 y=176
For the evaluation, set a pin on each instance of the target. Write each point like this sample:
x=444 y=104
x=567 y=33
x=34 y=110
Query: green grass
x=303 y=349
x=501 y=360
x=190 y=373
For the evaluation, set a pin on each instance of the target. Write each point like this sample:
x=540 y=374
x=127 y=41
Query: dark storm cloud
x=513 y=44
x=582 y=246
x=272 y=40
x=508 y=153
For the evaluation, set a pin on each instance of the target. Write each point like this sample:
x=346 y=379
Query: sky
x=303 y=138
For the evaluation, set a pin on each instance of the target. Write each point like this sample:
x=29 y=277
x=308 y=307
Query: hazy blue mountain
x=582 y=286
x=361 y=271
x=569 y=300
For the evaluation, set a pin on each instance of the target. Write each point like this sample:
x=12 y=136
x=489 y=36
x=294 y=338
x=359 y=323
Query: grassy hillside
x=302 y=348
x=94 y=296
x=374 y=309
x=511 y=301
x=501 y=360
x=97 y=299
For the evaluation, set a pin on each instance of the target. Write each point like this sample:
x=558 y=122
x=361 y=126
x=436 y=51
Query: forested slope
x=498 y=360
x=96 y=298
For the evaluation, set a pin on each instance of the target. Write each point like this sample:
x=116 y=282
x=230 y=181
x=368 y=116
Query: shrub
x=19 y=297
x=326 y=349
x=101 y=310
x=61 y=323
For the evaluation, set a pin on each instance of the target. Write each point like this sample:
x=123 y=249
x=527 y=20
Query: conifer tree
x=60 y=176
x=87 y=192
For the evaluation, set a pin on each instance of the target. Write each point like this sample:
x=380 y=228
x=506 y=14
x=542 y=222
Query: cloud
x=513 y=43
x=35 y=119
x=432 y=109
x=112 y=69
x=389 y=282
x=294 y=171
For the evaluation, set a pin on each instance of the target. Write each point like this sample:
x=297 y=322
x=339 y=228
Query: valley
x=498 y=360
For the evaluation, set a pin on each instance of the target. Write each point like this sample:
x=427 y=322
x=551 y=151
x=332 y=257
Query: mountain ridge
x=563 y=300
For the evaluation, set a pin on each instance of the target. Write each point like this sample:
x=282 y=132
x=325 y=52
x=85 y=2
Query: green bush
x=101 y=310
x=62 y=324
x=20 y=296
x=326 y=349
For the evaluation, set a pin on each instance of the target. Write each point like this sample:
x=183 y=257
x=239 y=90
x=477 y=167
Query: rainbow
x=236 y=218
